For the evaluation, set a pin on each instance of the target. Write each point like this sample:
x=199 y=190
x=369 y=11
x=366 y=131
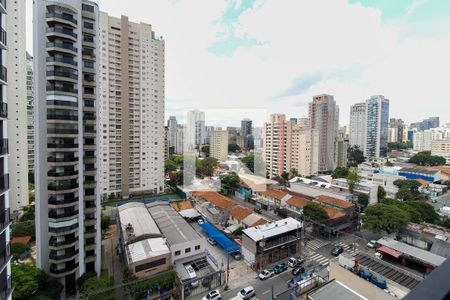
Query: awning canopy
x=389 y=251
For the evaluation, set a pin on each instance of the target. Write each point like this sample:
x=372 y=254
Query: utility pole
x=228 y=270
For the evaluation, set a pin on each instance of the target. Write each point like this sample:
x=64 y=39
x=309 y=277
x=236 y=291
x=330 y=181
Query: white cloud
x=414 y=6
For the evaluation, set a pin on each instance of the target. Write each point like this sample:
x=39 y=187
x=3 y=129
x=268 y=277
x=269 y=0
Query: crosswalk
x=320 y=259
x=316 y=244
x=348 y=248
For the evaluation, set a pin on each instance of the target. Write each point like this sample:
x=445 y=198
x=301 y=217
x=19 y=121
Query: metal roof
x=175 y=229
x=272 y=229
x=416 y=253
x=146 y=249
x=419 y=171
x=335 y=290
x=136 y=223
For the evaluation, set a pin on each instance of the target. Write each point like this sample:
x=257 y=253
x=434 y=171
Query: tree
x=206 y=150
x=25 y=280
x=408 y=189
x=205 y=167
x=388 y=164
x=28 y=213
x=104 y=221
x=281 y=180
x=249 y=162
x=400 y=145
x=381 y=193
x=315 y=213
x=23 y=229
x=293 y=173
x=426 y=210
x=233 y=148
x=169 y=166
x=340 y=172
x=363 y=200
x=425 y=158
x=352 y=179
x=229 y=181
x=175 y=179
x=18 y=249
x=93 y=283
x=355 y=156
x=238 y=231
x=382 y=217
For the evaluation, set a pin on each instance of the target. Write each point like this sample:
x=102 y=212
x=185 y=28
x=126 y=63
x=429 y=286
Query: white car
x=213 y=295
x=246 y=293
x=371 y=244
x=200 y=221
x=379 y=255
x=264 y=274
x=211 y=241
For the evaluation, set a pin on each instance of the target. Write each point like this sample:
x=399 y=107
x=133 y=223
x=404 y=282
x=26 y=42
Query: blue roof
x=228 y=245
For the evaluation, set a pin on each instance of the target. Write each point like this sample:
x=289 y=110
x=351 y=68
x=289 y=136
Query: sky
x=274 y=55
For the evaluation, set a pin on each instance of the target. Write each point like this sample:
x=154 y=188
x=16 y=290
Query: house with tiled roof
x=241 y=216
x=213 y=206
x=270 y=198
x=334 y=203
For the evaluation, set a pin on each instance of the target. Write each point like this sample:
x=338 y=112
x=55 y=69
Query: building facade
x=396 y=128
x=341 y=149
x=219 y=145
x=358 y=125
x=172 y=125
x=131 y=108
x=68 y=239
x=441 y=148
x=275 y=144
x=302 y=150
x=377 y=115
x=5 y=252
x=324 y=116
x=17 y=108
x=195 y=134
x=30 y=117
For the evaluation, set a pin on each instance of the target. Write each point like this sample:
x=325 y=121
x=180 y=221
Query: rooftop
x=216 y=199
x=181 y=205
x=297 y=201
x=136 y=223
x=175 y=229
x=254 y=220
x=419 y=171
x=417 y=253
x=240 y=212
x=272 y=229
x=335 y=202
x=276 y=194
x=146 y=249
x=335 y=290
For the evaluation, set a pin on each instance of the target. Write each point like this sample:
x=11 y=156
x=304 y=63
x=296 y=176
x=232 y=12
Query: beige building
x=441 y=148
x=324 y=116
x=219 y=145
x=131 y=108
x=302 y=150
x=275 y=144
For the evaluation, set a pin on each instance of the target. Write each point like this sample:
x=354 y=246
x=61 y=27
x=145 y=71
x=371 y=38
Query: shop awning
x=389 y=251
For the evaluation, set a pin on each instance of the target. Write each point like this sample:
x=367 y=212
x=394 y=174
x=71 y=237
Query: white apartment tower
x=30 y=115
x=324 y=116
x=377 y=124
x=218 y=147
x=66 y=72
x=17 y=106
x=195 y=130
x=275 y=144
x=5 y=252
x=302 y=150
x=358 y=125
x=131 y=108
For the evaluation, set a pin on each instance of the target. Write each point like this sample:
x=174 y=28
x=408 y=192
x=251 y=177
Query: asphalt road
x=443 y=200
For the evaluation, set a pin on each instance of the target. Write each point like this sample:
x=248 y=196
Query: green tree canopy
x=425 y=158
x=249 y=162
x=400 y=145
x=381 y=217
x=205 y=167
x=426 y=210
x=315 y=213
x=169 y=166
x=23 y=229
x=233 y=148
x=93 y=283
x=176 y=178
x=340 y=172
x=293 y=173
x=381 y=193
x=18 y=249
x=206 y=150
x=353 y=178
x=363 y=200
x=25 y=280
x=388 y=164
x=355 y=156
x=104 y=221
x=229 y=181
x=408 y=189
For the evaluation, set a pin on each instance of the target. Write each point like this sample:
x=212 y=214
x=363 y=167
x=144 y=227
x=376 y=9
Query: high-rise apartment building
x=195 y=130
x=395 y=131
x=246 y=127
x=17 y=106
x=179 y=139
x=303 y=123
x=275 y=144
x=302 y=150
x=131 y=108
x=218 y=147
x=324 y=116
x=30 y=117
x=66 y=72
x=358 y=125
x=431 y=122
x=341 y=148
x=377 y=116
x=5 y=252
x=172 y=125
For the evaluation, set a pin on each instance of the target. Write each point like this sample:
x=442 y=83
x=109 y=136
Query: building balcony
x=5 y=255
x=5 y=219
x=3 y=146
x=63 y=229
x=62 y=146
x=63 y=47
x=279 y=242
x=3 y=6
x=63 y=31
x=3 y=110
x=62 y=187
x=63 y=244
x=3 y=36
x=5 y=286
x=64 y=131
x=67 y=200
x=66 y=19
x=53 y=88
x=4 y=183
x=53 y=173
x=66 y=270
x=3 y=74
x=56 y=215
x=62 y=60
x=67 y=255
x=62 y=76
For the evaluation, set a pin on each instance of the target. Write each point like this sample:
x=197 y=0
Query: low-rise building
x=433 y=238
x=382 y=179
x=213 y=206
x=314 y=188
x=265 y=244
x=362 y=187
x=244 y=217
x=428 y=174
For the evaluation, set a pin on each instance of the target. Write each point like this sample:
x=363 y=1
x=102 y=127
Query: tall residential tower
x=377 y=116
x=131 y=108
x=358 y=125
x=66 y=73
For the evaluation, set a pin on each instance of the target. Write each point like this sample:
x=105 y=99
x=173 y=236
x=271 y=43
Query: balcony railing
x=5 y=256
x=4 y=218
x=4 y=182
x=3 y=36
x=3 y=74
x=61 y=146
x=5 y=292
x=52 y=88
x=54 y=243
x=3 y=146
x=63 y=256
x=63 y=60
x=62 y=74
x=62 y=229
x=3 y=110
x=60 y=16
x=62 y=174
x=62 y=46
x=61 y=187
x=55 y=215
x=69 y=268
x=61 y=30
x=54 y=201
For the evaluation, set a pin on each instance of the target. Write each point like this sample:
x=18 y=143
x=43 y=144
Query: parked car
x=236 y=255
x=378 y=255
x=297 y=271
x=292 y=262
x=213 y=295
x=211 y=241
x=280 y=268
x=200 y=221
x=247 y=292
x=337 y=250
x=264 y=274
x=371 y=244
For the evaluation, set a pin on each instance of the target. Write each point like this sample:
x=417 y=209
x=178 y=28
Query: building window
x=197 y=247
x=178 y=252
x=187 y=250
x=149 y=265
